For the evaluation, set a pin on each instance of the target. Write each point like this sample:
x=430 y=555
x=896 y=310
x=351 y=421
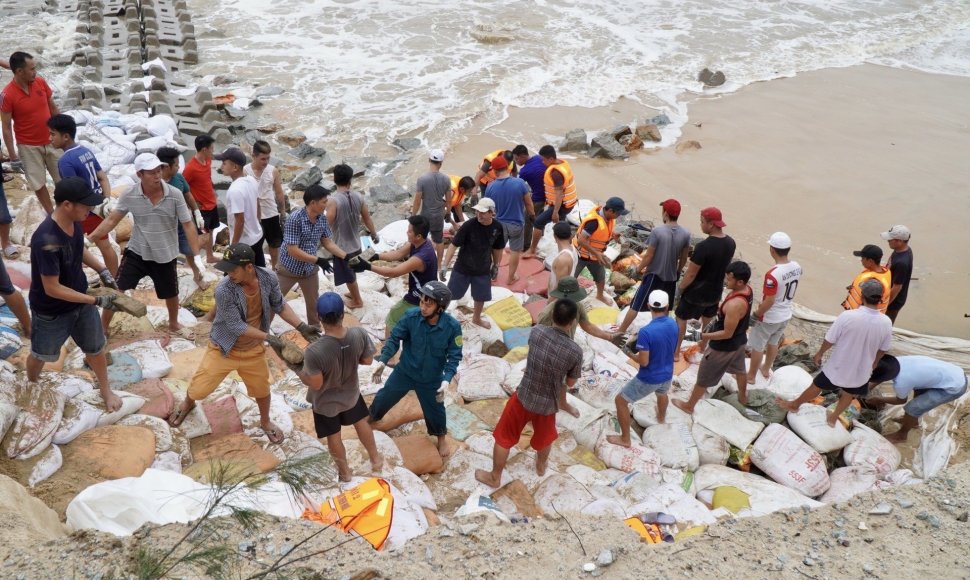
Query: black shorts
x=210 y=218
x=687 y=310
x=342 y=274
x=272 y=231
x=650 y=283
x=821 y=381
x=164 y=276
x=327 y=426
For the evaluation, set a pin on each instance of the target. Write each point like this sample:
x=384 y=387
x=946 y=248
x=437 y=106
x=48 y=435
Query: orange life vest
x=365 y=510
x=600 y=238
x=490 y=176
x=568 y=186
x=854 y=299
x=457 y=196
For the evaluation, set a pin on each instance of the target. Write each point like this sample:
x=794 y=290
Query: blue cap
x=330 y=303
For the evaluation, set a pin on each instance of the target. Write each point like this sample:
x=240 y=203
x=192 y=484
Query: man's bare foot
x=766 y=373
x=571 y=410
x=897 y=420
x=174 y=326
x=527 y=255
x=661 y=418
x=786 y=405
x=377 y=464
x=199 y=281
x=483 y=323
x=605 y=299
x=751 y=379
x=617 y=440
x=112 y=402
x=541 y=465
x=683 y=407
x=831 y=418
x=444 y=450
x=353 y=305
x=211 y=260
x=487 y=478
x=898 y=436
x=743 y=399
x=512 y=280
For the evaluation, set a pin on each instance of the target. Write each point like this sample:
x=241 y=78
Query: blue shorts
x=650 y=283
x=928 y=399
x=5 y=217
x=481 y=285
x=635 y=389
x=184 y=248
x=49 y=333
x=6 y=286
x=342 y=274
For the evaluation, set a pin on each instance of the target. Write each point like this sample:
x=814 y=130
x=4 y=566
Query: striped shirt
x=553 y=357
x=299 y=231
x=154 y=235
x=230 y=321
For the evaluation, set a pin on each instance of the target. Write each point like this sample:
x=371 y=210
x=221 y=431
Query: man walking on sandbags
x=513 y=201
x=771 y=317
x=569 y=289
x=861 y=337
x=725 y=338
x=270 y=196
x=346 y=209
x=554 y=364
x=247 y=297
x=430 y=342
x=156 y=209
x=595 y=232
x=330 y=373
x=432 y=199
x=481 y=242
x=532 y=170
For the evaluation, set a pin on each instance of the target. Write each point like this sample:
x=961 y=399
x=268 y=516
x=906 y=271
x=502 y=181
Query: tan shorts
x=716 y=362
x=38 y=160
x=250 y=364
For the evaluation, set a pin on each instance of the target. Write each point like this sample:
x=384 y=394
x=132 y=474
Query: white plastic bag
x=810 y=424
x=723 y=419
x=848 y=482
x=482 y=376
x=789 y=382
x=48 y=464
x=151 y=357
x=872 y=450
x=790 y=461
x=673 y=444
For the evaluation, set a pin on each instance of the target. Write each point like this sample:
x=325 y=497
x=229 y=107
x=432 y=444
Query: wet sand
x=832 y=157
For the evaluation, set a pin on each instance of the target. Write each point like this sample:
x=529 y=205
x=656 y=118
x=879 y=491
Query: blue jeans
x=928 y=399
x=50 y=332
x=5 y=217
x=398 y=385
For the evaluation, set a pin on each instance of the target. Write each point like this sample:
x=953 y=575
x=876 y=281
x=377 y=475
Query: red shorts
x=514 y=419
x=91 y=223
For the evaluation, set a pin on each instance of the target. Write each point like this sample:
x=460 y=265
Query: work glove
x=309 y=333
x=376 y=378
x=106 y=301
x=324 y=265
x=440 y=394
x=274 y=341
x=358 y=265
x=199 y=222
x=375 y=238
x=493 y=273
x=107 y=279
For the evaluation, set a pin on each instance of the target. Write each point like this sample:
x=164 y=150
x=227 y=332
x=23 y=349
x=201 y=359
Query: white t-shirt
x=857 y=335
x=923 y=372
x=241 y=198
x=266 y=195
x=781 y=281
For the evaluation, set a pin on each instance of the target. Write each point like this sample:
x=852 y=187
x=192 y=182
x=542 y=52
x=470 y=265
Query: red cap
x=713 y=215
x=499 y=163
x=672 y=207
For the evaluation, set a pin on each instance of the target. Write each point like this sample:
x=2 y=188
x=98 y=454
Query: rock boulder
x=576 y=140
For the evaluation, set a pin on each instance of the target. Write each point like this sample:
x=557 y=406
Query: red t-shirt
x=199 y=178
x=30 y=111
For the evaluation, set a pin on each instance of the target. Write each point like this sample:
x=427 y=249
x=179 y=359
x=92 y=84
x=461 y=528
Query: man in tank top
x=345 y=210
x=562 y=263
x=270 y=197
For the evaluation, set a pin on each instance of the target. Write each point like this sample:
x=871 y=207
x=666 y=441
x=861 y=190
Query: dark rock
x=705 y=75
x=359 y=164
x=576 y=140
x=222 y=80
x=291 y=137
x=388 y=165
x=497 y=348
x=387 y=190
x=790 y=354
x=306 y=179
x=607 y=147
x=619 y=131
x=269 y=91
x=661 y=120
x=631 y=142
x=716 y=80
x=304 y=150
x=649 y=132
x=252 y=137
x=407 y=143
x=269 y=128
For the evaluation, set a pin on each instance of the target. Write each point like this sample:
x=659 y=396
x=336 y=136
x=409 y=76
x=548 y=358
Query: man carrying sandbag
x=554 y=364
x=430 y=343
x=481 y=241
x=569 y=289
x=246 y=300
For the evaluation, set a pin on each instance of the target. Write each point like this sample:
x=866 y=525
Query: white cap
x=436 y=155
x=779 y=241
x=147 y=162
x=658 y=299
x=485 y=204
x=897 y=232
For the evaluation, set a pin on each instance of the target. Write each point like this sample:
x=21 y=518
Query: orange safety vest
x=568 y=186
x=456 y=194
x=490 y=176
x=854 y=299
x=366 y=510
x=600 y=238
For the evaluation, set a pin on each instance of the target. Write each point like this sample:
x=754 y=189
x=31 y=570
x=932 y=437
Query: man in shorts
x=932 y=382
x=662 y=262
x=560 y=189
x=430 y=342
x=25 y=105
x=272 y=200
x=513 y=201
x=481 y=241
x=532 y=170
x=247 y=298
x=596 y=231
x=198 y=174
x=59 y=302
x=169 y=156
x=554 y=364
x=432 y=196
x=418 y=262
x=655 y=354
x=725 y=339
x=703 y=282
x=330 y=373
x=242 y=203
x=79 y=161
x=771 y=317
x=861 y=337
x=563 y=263
x=346 y=209
x=156 y=209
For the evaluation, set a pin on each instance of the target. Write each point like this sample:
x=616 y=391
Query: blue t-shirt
x=924 y=373
x=416 y=280
x=78 y=161
x=54 y=253
x=533 y=172
x=507 y=193
x=660 y=339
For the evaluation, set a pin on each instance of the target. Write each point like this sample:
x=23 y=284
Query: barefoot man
x=771 y=316
x=430 y=343
x=513 y=202
x=655 y=353
x=596 y=231
x=346 y=209
x=330 y=371
x=554 y=364
x=481 y=241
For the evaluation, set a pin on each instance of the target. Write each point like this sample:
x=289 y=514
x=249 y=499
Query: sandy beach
x=832 y=157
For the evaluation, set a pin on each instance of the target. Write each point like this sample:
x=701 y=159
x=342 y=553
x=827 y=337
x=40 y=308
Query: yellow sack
x=508 y=313
x=603 y=315
x=517 y=354
x=202 y=300
x=731 y=498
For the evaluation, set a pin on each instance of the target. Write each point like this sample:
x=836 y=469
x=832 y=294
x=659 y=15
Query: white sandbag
x=562 y=494
x=68 y=385
x=412 y=487
x=195 y=424
x=151 y=144
x=670 y=499
x=870 y=449
x=159 y=427
x=151 y=357
x=848 y=482
x=644 y=412
x=299 y=445
x=613 y=365
x=130 y=403
x=158 y=316
x=373 y=314
x=606 y=508
x=41 y=409
x=936 y=446
x=810 y=424
x=639 y=321
x=498 y=294
x=279 y=326
x=723 y=419
x=372 y=282
x=407 y=521
x=765 y=496
x=898 y=478
x=514 y=378
x=583 y=207
x=790 y=461
x=279 y=415
x=635 y=487
x=481 y=376
x=547 y=246
x=162 y=126
x=48 y=464
x=588 y=427
x=599 y=391
x=8 y=413
x=711 y=447
x=788 y=382
x=168 y=461
x=633 y=458
x=77 y=418
x=673 y=444
x=393 y=235
x=477 y=503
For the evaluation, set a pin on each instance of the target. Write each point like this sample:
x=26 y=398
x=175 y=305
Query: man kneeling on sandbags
x=934 y=383
x=330 y=372
x=554 y=364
